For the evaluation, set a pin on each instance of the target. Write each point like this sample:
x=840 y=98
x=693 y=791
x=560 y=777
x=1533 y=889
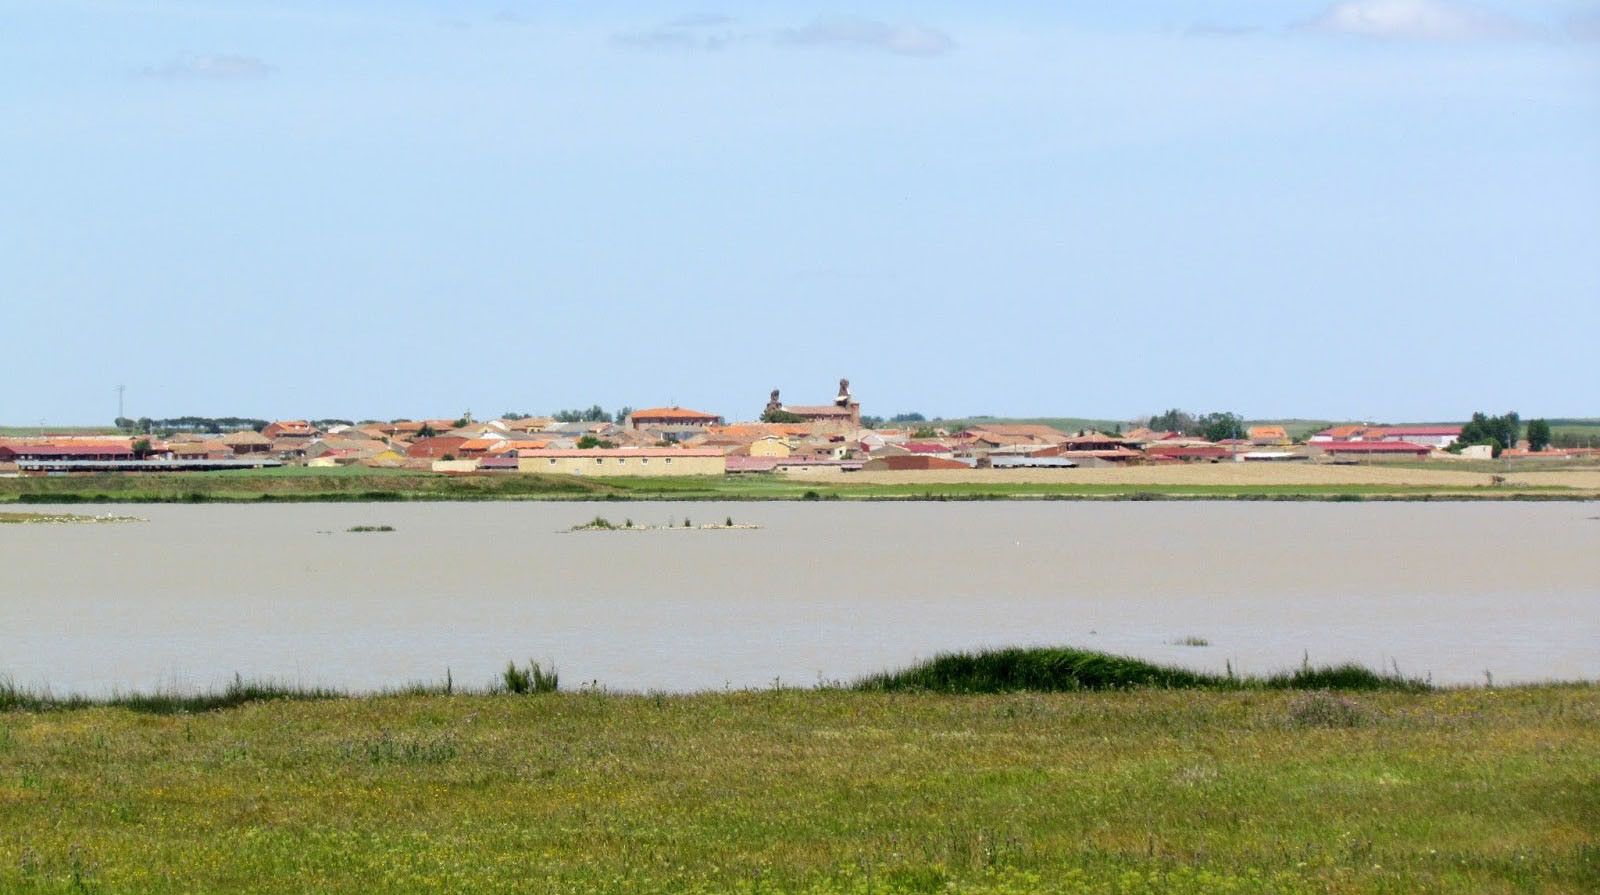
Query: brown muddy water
x=821 y=591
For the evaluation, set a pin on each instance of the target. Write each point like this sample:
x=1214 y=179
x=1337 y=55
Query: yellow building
x=771 y=446
x=623 y=461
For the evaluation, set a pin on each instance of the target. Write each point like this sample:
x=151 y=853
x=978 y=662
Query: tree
x=1538 y=435
x=908 y=418
x=1174 y=420
x=925 y=432
x=589 y=443
x=1499 y=432
x=595 y=414
x=124 y=423
x=622 y=414
x=142 y=449
x=461 y=423
x=426 y=431
x=1221 y=426
x=781 y=416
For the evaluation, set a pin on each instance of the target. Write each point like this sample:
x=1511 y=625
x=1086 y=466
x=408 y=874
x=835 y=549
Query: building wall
x=625 y=466
x=455 y=466
x=770 y=447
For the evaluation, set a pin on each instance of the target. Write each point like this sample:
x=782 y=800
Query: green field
x=299 y=484
x=1150 y=791
x=359 y=484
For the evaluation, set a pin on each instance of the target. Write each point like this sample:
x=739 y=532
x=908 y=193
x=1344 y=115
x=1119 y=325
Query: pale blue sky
x=1383 y=209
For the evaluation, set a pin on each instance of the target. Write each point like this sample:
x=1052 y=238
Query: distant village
x=810 y=439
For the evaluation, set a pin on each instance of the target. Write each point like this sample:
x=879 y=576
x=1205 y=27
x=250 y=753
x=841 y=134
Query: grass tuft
x=530 y=678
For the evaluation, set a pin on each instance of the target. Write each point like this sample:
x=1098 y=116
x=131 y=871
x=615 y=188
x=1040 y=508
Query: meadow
x=819 y=791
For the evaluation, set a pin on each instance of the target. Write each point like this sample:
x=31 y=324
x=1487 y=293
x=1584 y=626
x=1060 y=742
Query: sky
x=1384 y=210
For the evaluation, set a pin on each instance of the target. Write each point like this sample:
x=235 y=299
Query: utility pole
x=120 y=390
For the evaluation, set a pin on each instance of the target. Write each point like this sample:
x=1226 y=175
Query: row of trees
x=213 y=424
x=594 y=414
x=1210 y=426
x=1501 y=432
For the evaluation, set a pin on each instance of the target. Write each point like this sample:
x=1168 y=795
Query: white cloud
x=210 y=67
x=1414 y=20
x=906 y=40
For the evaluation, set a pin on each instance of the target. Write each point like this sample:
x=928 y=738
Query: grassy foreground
x=1144 y=779
x=1146 y=791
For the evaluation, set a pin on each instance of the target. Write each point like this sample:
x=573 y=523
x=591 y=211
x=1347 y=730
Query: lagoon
x=820 y=592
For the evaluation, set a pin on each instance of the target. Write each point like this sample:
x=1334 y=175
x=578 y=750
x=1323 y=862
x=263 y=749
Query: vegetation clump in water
x=16 y=518
x=366 y=528
x=601 y=523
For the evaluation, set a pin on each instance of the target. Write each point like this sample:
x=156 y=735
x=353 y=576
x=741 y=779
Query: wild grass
x=1057 y=669
x=1118 y=792
x=238 y=692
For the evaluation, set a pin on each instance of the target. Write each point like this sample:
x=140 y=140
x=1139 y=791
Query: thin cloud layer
x=210 y=67
x=1414 y=20
x=704 y=33
x=711 y=32
x=905 y=40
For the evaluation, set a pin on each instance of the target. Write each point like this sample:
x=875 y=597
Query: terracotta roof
x=1414 y=431
x=1343 y=431
x=672 y=413
x=1019 y=430
x=1376 y=447
x=753 y=431
x=435 y=447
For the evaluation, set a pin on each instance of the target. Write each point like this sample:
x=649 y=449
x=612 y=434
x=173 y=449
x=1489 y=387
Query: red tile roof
x=1376 y=447
x=1414 y=431
x=674 y=414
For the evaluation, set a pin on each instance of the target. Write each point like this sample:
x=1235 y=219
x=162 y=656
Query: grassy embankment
x=1185 y=786
x=359 y=484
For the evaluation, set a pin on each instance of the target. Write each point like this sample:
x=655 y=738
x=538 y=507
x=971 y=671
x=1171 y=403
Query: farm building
x=672 y=419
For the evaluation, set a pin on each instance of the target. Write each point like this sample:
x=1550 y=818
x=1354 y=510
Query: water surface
x=822 y=591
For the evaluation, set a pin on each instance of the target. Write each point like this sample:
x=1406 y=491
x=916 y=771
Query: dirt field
x=1235 y=474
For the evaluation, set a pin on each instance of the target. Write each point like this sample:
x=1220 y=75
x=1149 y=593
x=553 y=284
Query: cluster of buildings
x=821 y=439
